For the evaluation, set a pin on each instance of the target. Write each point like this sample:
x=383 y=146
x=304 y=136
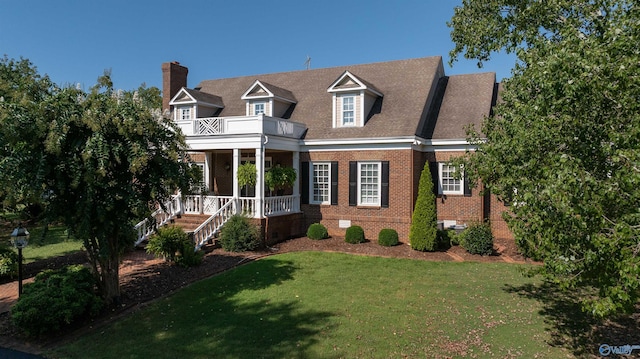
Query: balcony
x=242 y=125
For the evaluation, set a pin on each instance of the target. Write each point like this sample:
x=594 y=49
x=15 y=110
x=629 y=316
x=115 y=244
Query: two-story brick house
x=358 y=137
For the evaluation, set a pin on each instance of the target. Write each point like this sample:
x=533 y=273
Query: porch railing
x=219 y=207
x=273 y=206
x=197 y=204
x=281 y=205
x=210 y=228
x=238 y=125
x=160 y=217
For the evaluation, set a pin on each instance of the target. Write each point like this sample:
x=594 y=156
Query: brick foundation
x=279 y=228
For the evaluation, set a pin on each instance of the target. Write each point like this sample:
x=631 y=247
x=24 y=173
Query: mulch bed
x=159 y=279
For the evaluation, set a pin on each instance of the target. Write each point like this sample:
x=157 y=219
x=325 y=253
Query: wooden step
x=190 y=222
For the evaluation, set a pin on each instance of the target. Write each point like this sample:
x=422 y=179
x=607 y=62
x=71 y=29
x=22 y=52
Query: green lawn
x=332 y=305
x=56 y=243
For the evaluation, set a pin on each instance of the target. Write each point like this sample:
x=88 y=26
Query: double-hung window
x=258 y=108
x=185 y=113
x=448 y=181
x=369 y=183
x=348 y=112
x=321 y=183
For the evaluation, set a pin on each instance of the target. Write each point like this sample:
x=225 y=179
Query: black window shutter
x=467 y=188
x=384 y=191
x=334 y=183
x=304 y=177
x=353 y=183
x=433 y=166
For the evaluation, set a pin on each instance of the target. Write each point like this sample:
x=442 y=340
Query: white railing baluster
x=160 y=217
x=208 y=230
x=280 y=205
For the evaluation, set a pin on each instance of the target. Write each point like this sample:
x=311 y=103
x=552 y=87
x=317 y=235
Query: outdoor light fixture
x=20 y=239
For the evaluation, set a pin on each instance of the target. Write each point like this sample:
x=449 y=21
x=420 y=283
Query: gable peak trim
x=252 y=89
x=181 y=94
x=342 y=84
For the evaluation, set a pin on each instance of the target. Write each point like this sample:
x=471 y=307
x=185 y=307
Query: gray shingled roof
x=406 y=85
x=279 y=92
x=467 y=100
x=205 y=97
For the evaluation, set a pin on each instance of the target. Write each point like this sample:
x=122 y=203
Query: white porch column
x=236 y=188
x=259 y=199
x=180 y=209
x=208 y=162
x=296 y=184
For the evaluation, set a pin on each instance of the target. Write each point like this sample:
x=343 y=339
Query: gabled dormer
x=189 y=104
x=353 y=100
x=268 y=99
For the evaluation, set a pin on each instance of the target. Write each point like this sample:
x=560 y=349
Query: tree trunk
x=110 y=278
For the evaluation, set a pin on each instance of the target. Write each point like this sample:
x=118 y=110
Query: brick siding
x=372 y=220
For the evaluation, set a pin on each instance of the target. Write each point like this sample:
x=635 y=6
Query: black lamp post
x=20 y=239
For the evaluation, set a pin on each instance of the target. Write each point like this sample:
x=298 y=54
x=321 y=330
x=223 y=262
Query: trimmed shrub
x=354 y=235
x=239 y=235
x=388 y=237
x=55 y=300
x=477 y=239
x=454 y=237
x=167 y=242
x=188 y=256
x=317 y=231
x=423 y=231
x=8 y=262
x=173 y=243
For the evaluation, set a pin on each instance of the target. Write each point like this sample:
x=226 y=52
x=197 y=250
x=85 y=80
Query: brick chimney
x=174 y=77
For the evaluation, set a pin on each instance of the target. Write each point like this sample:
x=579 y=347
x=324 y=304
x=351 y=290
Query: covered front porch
x=220 y=185
x=220 y=151
x=221 y=145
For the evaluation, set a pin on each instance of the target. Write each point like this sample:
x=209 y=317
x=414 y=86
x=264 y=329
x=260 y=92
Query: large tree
x=563 y=146
x=22 y=130
x=101 y=160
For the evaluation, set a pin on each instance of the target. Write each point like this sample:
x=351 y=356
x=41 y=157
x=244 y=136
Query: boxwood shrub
x=317 y=231
x=55 y=300
x=354 y=235
x=173 y=243
x=239 y=235
x=388 y=237
x=477 y=239
x=8 y=262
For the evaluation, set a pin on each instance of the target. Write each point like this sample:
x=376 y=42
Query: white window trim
x=312 y=181
x=440 y=180
x=378 y=203
x=264 y=107
x=353 y=110
x=182 y=111
x=205 y=174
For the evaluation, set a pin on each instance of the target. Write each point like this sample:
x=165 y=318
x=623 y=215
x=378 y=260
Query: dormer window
x=353 y=100
x=267 y=99
x=258 y=108
x=185 y=113
x=189 y=104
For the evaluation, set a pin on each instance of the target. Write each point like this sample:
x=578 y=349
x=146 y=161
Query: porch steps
x=189 y=222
